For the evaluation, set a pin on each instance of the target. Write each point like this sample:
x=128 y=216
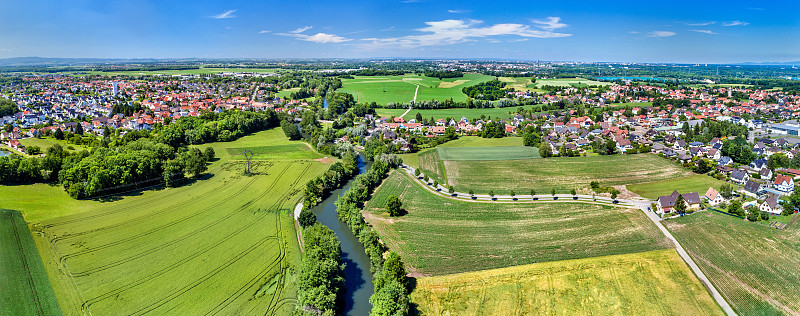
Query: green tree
x=394 y=206
x=290 y=130
x=735 y=208
x=533 y=192
x=491 y=193
x=425 y=178
x=450 y=189
x=58 y=134
x=33 y=150
x=573 y=192
x=680 y=205
x=307 y=218
x=703 y=166
x=594 y=185
x=416 y=172
x=210 y=154
x=753 y=215
x=553 y=192
x=471 y=193
x=726 y=190
x=614 y=195
x=545 y=150
x=79 y=129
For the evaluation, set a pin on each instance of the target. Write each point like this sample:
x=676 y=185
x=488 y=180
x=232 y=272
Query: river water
x=358 y=282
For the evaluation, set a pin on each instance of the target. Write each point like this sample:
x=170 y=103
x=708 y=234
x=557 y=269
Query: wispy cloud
x=410 y=1
x=224 y=15
x=458 y=11
x=264 y=32
x=660 y=34
x=755 y=9
x=701 y=23
x=550 y=23
x=735 y=23
x=704 y=31
x=450 y=32
x=317 y=38
x=301 y=30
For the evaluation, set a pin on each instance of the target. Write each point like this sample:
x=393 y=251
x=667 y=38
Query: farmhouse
x=713 y=197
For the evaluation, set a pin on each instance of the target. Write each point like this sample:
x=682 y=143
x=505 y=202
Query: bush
x=393 y=206
x=307 y=218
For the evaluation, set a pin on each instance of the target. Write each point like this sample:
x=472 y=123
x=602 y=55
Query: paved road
x=643 y=205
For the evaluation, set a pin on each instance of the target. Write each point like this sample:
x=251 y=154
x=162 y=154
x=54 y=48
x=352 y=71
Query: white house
x=771 y=205
x=784 y=183
x=713 y=197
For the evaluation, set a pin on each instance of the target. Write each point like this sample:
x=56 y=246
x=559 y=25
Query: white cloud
x=317 y=38
x=224 y=15
x=457 y=11
x=450 y=32
x=704 y=31
x=264 y=32
x=550 y=23
x=735 y=23
x=660 y=34
x=701 y=23
x=634 y=32
x=301 y=30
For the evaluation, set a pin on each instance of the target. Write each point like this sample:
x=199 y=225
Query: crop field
x=431 y=165
x=561 y=174
x=487 y=153
x=400 y=89
x=475 y=141
x=695 y=183
x=518 y=83
x=26 y=288
x=470 y=114
x=648 y=283
x=754 y=267
x=443 y=236
x=224 y=244
x=569 y=82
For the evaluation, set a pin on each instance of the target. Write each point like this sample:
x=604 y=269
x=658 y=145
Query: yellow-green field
x=694 y=183
x=223 y=244
x=400 y=89
x=648 y=283
x=569 y=82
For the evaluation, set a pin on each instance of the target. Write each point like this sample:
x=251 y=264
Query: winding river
x=358 y=282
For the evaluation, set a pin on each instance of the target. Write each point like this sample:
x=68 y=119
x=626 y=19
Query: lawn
x=400 y=89
x=754 y=267
x=470 y=114
x=441 y=236
x=223 y=244
x=487 y=153
x=694 y=183
x=647 y=283
x=26 y=288
x=561 y=174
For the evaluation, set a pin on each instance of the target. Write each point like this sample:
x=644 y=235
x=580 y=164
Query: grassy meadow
x=569 y=82
x=47 y=142
x=755 y=267
x=223 y=244
x=400 y=89
x=470 y=114
x=648 y=283
x=694 y=183
x=561 y=174
x=26 y=287
x=441 y=236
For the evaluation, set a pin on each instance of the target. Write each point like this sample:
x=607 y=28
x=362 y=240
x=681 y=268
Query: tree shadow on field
x=118 y=196
x=413 y=308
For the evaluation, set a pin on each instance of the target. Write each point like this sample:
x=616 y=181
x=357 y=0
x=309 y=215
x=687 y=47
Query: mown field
x=400 y=89
x=47 y=142
x=694 y=183
x=754 y=267
x=443 y=236
x=648 y=283
x=224 y=244
x=487 y=153
x=26 y=288
x=464 y=141
x=561 y=174
x=270 y=145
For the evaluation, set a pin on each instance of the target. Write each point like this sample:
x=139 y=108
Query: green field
x=487 y=153
x=562 y=174
x=754 y=267
x=443 y=236
x=694 y=183
x=648 y=283
x=518 y=83
x=26 y=288
x=475 y=141
x=470 y=114
x=48 y=142
x=225 y=245
x=569 y=82
x=400 y=89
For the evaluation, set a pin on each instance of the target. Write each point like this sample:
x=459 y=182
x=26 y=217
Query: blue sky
x=623 y=31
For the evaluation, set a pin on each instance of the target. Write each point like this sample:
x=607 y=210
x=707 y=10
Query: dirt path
x=412 y=102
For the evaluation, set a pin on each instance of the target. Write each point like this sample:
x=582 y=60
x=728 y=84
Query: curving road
x=643 y=205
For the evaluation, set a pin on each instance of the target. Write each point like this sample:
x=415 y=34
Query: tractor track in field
x=68 y=236
x=282 y=254
x=63 y=259
x=165 y=245
x=28 y=274
x=86 y=305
